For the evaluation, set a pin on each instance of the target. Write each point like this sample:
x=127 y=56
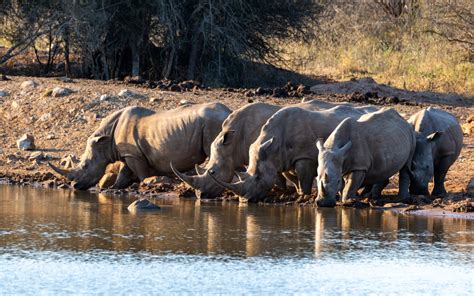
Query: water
x=57 y=242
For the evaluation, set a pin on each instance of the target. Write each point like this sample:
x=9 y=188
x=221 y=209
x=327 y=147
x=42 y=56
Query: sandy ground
x=61 y=125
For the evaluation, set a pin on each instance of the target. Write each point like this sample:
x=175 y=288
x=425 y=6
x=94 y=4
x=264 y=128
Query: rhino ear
x=434 y=136
x=344 y=149
x=320 y=144
x=266 y=144
x=100 y=139
x=227 y=137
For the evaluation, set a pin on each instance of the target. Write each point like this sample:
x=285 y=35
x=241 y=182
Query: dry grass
x=423 y=63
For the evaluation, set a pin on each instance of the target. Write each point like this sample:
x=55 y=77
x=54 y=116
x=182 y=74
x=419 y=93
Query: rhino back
x=382 y=143
x=174 y=135
x=430 y=120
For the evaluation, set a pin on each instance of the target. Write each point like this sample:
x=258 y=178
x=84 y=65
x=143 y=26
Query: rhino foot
x=439 y=192
x=326 y=202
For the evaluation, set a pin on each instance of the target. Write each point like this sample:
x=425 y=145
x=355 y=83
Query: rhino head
x=260 y=177
x=422 y=168
x=93 y=163
x=329 y=179
x=221 y=163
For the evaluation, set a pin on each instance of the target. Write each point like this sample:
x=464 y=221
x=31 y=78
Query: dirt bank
x=61 y=122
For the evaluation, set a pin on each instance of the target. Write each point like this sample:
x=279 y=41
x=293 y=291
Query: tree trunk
x=135 y=61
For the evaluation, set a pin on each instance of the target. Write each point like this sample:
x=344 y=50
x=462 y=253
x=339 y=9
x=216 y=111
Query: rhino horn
x=62 y=172
x=186 y=179
x=238 y=188
x=199 y=170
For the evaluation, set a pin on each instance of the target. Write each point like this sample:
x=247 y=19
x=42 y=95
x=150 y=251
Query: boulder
x=28 y=85
x=61 y=92
x=107 y=180
x=127 y=93
x=26 y=142
x=142 y=205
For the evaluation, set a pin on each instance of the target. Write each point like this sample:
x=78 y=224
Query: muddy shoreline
x=61 y=124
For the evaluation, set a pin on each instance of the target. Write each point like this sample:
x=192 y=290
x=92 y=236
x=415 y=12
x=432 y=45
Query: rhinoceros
x=364 y=152
x=147 y=142
x=229 y=151
x=439 y=141
x=286 y=145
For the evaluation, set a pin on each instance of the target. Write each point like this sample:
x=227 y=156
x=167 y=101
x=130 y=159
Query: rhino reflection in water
x=147 y=142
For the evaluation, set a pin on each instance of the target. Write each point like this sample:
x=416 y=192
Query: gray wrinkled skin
x=439 y=141
x=364 y=152
x=229 y=151
x=286 y=145
x=147 y=142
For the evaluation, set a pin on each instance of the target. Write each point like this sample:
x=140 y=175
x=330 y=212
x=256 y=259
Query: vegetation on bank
x=410 y=44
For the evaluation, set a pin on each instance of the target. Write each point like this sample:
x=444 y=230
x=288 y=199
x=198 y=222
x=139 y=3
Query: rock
x=157 y=180
x=142 y=205
x=15 y=105
x=175 y=87
x=26 y=142
x=69 y=161
x=45 y=117
x=28 y=85
x=468 y=128
x=189 y=84
x=107 y=180
x=38 y=155
x=3 y=94
x=61 y=92
x=155 y=100
x=47 y=93
x=411 y=208
x=4 y=77
x=184 y=102
x=65 y=79
x=105 y=98
x=91 y=117
x=50 y=137
x=126 y=93
x=470 y=186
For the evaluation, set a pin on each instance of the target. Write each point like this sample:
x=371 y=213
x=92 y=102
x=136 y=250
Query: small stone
x=50 y=137
x=141 y=205
x=15 y=105
x=105 y=98
x=45 y=117
x=29 y=84
x=3 y=94
x=184 y=102
x=155 y=100
x=38 y=155
x=91 y=117
x=470 y=186
x=61 y=92
x=156 y=180
x=47 y=93
x=65 y=79
x=126 y=93
x=107 y=180
x=175 y=87
x=26 y=142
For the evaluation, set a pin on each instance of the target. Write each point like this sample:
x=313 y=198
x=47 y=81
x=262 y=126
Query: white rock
x=126 y=93
x=26 y=142
x=15 y=105
x=105 y=98
x=61 y=92
x=29 y=84
x=45 y=117
x=184 y=102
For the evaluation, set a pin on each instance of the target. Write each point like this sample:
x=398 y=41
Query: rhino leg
x=306 y=171
x=139 y=168
x=353 y=182
x=404 y=185
x=440 y=170
x=376 y=191
x=125 y=178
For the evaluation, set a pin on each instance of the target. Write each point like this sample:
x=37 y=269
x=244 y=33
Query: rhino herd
x=346 y=148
